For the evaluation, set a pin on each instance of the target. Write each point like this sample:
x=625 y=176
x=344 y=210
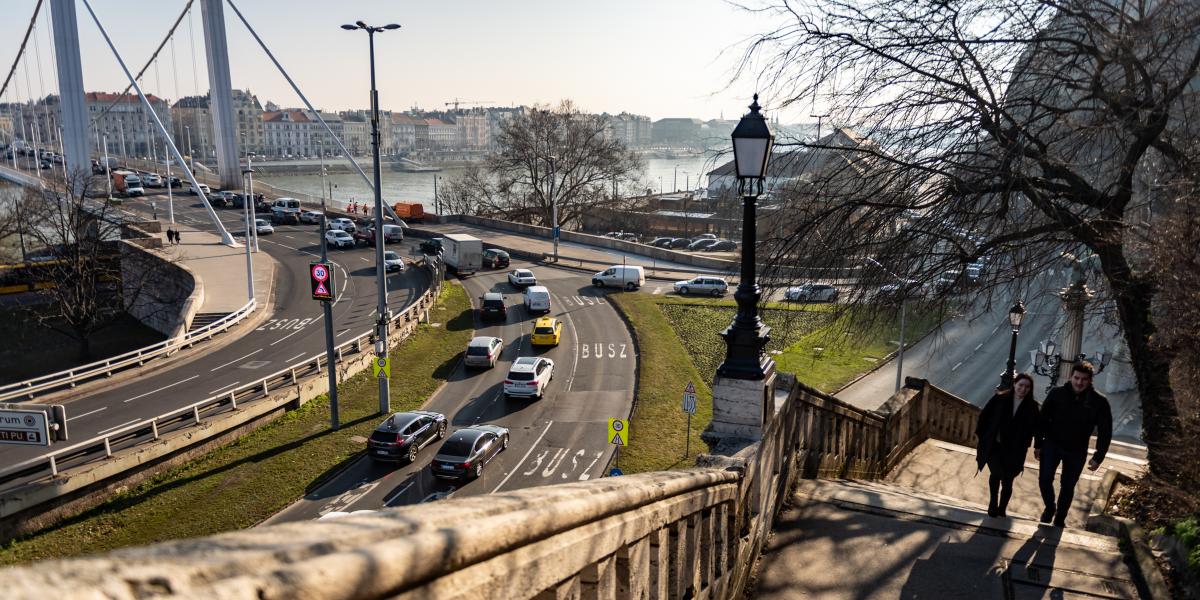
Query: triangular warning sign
x=322 y=290
x=617 y=440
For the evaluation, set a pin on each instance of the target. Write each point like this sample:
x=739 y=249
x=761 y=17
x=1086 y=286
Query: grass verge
x=264 y=471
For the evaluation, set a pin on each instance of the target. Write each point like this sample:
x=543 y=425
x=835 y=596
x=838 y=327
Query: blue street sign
x=615 y=472
x=556 y=232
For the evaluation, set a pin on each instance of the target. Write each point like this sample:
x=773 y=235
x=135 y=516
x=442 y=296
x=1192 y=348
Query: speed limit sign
x=321 y=281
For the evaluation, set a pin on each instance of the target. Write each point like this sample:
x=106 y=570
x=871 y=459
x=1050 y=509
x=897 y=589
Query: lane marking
x=979 y=346
x=294 y=357
x=225 y=387
x=522 y=461
x=87 y=413
x=342 y=332
x=995 y=329
x=364 y=259
x=104 y=431
x=399 y=492
x=955 y=367
x=162 y=388
x=285 y=337
x=236 y=360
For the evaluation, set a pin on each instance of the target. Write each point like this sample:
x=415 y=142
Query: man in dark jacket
x=1069 y=416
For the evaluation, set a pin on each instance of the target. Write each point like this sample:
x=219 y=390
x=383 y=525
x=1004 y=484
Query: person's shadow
x=974 y=569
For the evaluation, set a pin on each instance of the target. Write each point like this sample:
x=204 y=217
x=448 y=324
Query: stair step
x=204 y=319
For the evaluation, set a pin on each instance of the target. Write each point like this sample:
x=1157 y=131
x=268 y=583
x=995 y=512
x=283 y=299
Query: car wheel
x=441 y=431
x=504 y=443
x=477 y=472
x=630 y=286
x=412 y=454
x=718 y=292
x=597 y=283
x=684 y=291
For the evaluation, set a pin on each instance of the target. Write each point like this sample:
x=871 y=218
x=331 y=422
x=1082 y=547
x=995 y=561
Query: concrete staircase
x=204 y=319
x=923 y=532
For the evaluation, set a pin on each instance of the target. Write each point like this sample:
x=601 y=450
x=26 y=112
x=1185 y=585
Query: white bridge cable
x=21 y=49
x=226 y=238
x=370 y=185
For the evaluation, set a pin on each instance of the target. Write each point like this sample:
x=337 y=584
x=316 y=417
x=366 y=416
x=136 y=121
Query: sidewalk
x=220 y=271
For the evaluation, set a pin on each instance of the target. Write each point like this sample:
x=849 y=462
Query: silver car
x=522 y=278
x=483 y=351
x=811 y=292
x=713 y=286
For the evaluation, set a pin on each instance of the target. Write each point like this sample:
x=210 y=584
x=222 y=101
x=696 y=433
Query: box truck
x=409 y=211
x=463 y=253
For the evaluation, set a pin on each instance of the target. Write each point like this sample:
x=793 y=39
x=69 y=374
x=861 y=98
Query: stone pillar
x=742 y=407
x=1074 y=299
x=220 y=94
x=72 y=103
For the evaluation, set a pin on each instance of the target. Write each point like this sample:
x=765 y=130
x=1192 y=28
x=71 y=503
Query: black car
x=700 y=245
x=678 y=243
x=403 y=434
x=465 y=453
x=492 y=307
x=662 y=242
x=433 y=246
x=496 y=259
x=723 y=246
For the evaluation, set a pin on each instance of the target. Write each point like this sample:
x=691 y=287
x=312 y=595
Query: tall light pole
x=675 y=180
x=902 y=287
x=249 y=226
x=1016 y=314
x=107 y=168
x=121 y=130
x=819 y=119
x=381 y=341
x=747 y=336
x=191 y=157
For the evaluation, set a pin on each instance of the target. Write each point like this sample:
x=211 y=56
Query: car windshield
x=541 y=330
x=458 y=445
x=521 y=376
x=389 y=255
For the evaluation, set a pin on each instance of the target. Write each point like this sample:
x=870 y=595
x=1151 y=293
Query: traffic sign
x=615 y=472
x=381 y=367
x=618 y=432
x=689 y=404
x=321 y=280
x=25 y=427
x=689 y=389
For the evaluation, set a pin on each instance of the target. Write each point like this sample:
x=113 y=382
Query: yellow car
x=547 y=331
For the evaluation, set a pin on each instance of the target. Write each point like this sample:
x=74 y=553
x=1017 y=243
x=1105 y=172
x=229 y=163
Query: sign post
x=618 y=435
x=321 y=276
x=689 y=407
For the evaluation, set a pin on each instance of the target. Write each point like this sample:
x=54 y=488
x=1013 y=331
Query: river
x=418 y=187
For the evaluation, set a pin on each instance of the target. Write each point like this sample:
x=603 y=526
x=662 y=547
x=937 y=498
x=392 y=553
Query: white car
x=338 y=239
x=392 y=261
x=713 y=286
x=152 y=180
x=203 y=188
x=521 y=278
x=262 y=227
x=483 y=351
x=529 y=377
x=311 y=216
x=811 y=292
x=343 y=224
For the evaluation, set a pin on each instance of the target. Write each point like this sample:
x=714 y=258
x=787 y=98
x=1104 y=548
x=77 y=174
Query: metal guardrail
x=71 y=377
x=190 y=415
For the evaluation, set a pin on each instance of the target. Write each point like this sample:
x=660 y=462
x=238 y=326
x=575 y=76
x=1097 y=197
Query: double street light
x=381 y=323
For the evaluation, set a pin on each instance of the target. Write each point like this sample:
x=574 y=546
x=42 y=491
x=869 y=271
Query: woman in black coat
x=1005 y=431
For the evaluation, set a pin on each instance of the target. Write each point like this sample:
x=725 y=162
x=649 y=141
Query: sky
x=659 y=58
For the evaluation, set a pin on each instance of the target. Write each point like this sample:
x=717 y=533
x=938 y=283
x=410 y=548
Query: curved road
x=560 y=438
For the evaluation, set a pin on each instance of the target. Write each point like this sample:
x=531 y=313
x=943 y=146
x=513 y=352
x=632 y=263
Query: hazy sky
x=659 y=58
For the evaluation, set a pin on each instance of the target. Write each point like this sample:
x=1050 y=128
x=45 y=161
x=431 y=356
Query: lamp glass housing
x=1016 y=314
x=752 y=141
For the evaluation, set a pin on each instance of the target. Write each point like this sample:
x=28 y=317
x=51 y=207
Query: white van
x=537 y=299
x=630 y=277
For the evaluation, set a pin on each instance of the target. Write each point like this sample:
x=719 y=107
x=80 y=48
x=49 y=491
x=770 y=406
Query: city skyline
x=594 y=55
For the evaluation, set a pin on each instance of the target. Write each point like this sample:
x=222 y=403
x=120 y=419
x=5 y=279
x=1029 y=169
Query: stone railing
x=681 y=534
x=920 y=411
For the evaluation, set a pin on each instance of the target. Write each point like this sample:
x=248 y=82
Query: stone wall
x=157 y=291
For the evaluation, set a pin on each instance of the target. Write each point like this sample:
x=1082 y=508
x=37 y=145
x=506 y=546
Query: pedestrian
x=177 y=237
x=1005 y=430
x=170 y=236
x=1069 y=416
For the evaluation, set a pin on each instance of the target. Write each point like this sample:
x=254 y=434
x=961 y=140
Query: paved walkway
x=221 y=270
x=924 y=533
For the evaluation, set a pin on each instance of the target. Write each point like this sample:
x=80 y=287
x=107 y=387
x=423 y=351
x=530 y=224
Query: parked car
x=547 y=331
x=496 y=259
x=529 y=377
x=223 y=198
x=713 y=286
x=392 y=261
x=335 y=238
x=432 y=247
x=948 y=281
x=707 y=236
x=678 y=243
x=391 y=234
x=464 y=454
x=262 y=227
x=343 y=224
x=492 y=306
x=895 y=292
x=701 y=245
x=402 y=435
x=311 y=216
x=203 y=188
x=152 y=180
x=811 y=292
x=629 y=237
x=723 y=246
x=521 y=278
x=483 y=351
x=172 y=181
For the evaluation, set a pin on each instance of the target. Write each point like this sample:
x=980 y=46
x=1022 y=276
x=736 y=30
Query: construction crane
x=459 y=101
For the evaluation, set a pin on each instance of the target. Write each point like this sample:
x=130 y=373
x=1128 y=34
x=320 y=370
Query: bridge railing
x=150 y=430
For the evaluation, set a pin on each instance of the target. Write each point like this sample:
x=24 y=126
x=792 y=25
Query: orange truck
x=409 y=211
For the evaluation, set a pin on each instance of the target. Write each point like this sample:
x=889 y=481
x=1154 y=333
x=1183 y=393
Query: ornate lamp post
x=746 y=337
x=1016 y=314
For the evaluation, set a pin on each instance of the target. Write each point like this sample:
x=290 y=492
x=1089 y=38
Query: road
x=558 y=439
x=294 y=332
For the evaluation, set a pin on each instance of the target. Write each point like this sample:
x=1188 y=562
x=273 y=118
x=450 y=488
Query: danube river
x=681 y=173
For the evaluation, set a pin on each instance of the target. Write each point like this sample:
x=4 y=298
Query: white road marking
x=285 y=337
x=552 y=466
x=955 y=367
x=342 y=332
x=657 y=291
x=104 y=431
x=575 y=461
x=225 y=387
x=294 y=357
x=979 y=346
x=364 y=259
x=91 y=412
x=162 y=388
x=527 y=453
x=236 y=360
x=399 y=492
x=585 y=476
x=994 y=329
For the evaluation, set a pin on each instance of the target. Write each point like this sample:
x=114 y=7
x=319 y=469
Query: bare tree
x=1014 y=130
x=562 y=151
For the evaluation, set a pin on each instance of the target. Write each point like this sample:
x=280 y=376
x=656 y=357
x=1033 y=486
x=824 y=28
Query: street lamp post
x=553 y=208
x=902 y=285
x=249 y=227
x=191 y=157
x=746 y=337
x=107 y=168
x=380 y=277
x=1016 y=314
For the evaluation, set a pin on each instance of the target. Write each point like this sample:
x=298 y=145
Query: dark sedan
x=496 y=259
x=723 y=246
x=492 y=307
x=678 y=243
x=700 y=245
x=468 y=450
x=402 y=435
x=662 y=242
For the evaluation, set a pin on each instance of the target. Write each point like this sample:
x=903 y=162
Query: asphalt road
x=558 y=439
x=294 y=332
